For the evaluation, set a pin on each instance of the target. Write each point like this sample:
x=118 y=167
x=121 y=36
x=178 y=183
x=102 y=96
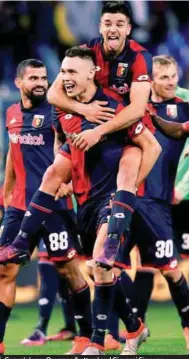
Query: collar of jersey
x=23 y=109
x=120 y=56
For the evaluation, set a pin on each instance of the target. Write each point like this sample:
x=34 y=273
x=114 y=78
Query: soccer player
x=152 y=223
x=94 y=179
x=31 y=136
x=124 y=67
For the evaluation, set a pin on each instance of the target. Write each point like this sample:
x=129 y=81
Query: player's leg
x=8 y=273
x=47 y=294
x=180 y=295
x=68 y=332
x=123 y=203
x=40 y=208
x=109 y=294
x=61 y=245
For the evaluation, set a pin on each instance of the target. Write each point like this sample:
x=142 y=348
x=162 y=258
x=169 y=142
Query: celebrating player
x=124 y=67
x=94 y=179
x=29 y=125
x=152 y=223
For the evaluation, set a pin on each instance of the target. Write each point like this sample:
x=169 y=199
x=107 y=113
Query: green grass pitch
x=163 y=321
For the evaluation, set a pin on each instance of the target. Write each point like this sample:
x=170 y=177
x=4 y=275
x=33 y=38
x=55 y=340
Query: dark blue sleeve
x=55 y=119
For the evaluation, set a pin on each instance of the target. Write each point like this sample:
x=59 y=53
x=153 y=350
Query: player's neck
x=158 y=99
x=112 y=54
x=87 y=95
x=26 y=102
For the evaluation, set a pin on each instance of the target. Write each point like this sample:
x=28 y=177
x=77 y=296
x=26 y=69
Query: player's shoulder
x=14 y=107
x=179 y=100
x=12 y=113
x=94 y=42
x=136 y=47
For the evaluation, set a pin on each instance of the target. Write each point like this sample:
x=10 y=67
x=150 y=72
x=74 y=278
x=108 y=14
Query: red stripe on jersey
x=124 y=205
x=69 y=202
x=65 y=154
x=15 y=114
x=113 y=94
x=178 y=99
x=139 y=69
x=102 y=76
x=135 y=46
x=141 y=190
x=40 y=208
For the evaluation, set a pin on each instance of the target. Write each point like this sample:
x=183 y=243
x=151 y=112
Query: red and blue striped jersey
x=94 y=172
x=31 y=138
x=133 y=64
x=160 y=182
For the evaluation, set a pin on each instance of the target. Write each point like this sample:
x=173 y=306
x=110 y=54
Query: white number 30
x=164 y=249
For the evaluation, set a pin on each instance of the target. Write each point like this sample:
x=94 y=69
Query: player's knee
x=8 y=273
x=101 y=275
x=128 y=172
x=173 y=275
x=71 y=273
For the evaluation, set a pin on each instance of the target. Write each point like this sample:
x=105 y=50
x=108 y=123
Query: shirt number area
x=164 y=249
x=58 y=241
x=185 y=240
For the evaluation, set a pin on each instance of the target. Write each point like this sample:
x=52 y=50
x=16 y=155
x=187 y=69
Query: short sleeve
x=55 y=113
x=65 y=150
x=142 y=67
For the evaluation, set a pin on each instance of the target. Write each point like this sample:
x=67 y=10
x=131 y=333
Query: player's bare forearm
x=171 y=129
x=59 y=140
x=139 y=96
x=9 y=181
x=151 y=150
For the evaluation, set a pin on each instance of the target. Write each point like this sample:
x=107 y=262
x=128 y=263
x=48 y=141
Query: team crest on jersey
x=122 y=69
x=38 y=121
x=172 y=111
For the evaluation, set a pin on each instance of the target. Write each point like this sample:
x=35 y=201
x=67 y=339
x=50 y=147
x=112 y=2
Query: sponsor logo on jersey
x=122 y=69
x=38 y=121
x=27 y=139
x=172 y=111
x=68 y=116
x=121 y=90
x=143 y=78
x=173 y=264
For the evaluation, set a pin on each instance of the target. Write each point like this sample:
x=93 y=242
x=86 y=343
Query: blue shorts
x=152 y=232
x=59 y=233
x=181 y=228
x=90 y=217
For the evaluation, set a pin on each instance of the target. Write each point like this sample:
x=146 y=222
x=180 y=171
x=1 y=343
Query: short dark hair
x=81 y=52
x=21 y=68
x=114 y=7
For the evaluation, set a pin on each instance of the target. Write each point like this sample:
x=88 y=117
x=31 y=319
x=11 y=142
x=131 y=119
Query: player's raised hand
x=86 y=139
x=97 y=112
x=64 y=190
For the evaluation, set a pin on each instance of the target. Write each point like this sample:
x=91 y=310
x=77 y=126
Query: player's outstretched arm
x=9 y=181
x=171 y=129
x=96 y=111
x=151 y=150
